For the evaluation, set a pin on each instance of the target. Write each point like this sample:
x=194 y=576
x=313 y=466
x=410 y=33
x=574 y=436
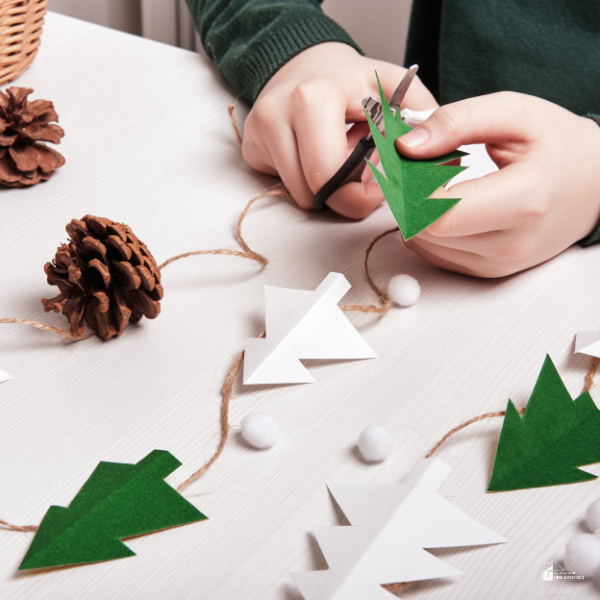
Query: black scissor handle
x=351 y=170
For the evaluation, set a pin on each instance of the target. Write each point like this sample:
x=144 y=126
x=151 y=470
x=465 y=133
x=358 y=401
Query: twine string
x=384 y=299
x=24 y=528
x=587 y=385
x=227 y=389
x=490 y=415
x=50 y=328
x=247 y=252
x=231 y=111
x=591 y=373
x=227 y=393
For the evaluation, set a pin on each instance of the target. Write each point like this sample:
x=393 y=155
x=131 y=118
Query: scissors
x=354 y=166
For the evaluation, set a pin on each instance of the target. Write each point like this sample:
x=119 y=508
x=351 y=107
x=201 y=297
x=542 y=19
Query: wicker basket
x=20 y=30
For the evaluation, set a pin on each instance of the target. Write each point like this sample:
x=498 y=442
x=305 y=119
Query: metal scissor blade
x=353 y=167
x=398 y=95
x=373 y=106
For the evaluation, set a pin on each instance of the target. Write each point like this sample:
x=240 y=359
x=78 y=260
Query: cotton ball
x=582 y=554
x=375 y=443
x=592 y=517
x=404 y=290
x=260 y=430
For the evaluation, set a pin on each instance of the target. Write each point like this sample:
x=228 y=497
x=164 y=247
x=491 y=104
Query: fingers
x=356 y=200
x=320 y=129
x=461 y=261
x=355 y=133
x=498 y=201
x=496 y=118
x=494 y=254
x=418 y=96
x=452 y=261
x=283 y=150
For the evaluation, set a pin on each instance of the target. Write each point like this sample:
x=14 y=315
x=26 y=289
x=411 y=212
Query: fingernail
x=415 y=138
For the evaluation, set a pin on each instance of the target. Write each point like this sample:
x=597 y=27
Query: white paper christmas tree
x=588 y=342
x=302 y=324
x=391 y=526
x=4 y=376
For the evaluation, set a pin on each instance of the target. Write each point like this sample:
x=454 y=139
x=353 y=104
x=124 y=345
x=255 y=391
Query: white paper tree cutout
x=4 y=376
x=391 y=526
x=588 y=342
x=302 y=324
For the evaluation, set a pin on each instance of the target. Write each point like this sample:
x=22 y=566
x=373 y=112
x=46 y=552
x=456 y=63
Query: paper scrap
x=391 y=527
x=407 y=183
x=117 y=501
x=588 y=342
x=302 y=324
x=555 y=436
x=4 y=376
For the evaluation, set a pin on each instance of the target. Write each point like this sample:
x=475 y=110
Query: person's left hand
x=545 y=197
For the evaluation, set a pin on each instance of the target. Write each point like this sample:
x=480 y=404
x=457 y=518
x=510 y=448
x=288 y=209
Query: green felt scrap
x=408 y=183
x=117 y=501
x=555 y=436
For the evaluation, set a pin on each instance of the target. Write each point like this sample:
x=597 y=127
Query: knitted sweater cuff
x=594 y=237
x=275 y=48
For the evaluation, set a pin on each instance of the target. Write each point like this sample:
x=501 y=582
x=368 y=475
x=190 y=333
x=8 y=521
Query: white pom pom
x=260 y=430
x=375 y=443
x=582 y=554
x=592 y=517
x=404 y=290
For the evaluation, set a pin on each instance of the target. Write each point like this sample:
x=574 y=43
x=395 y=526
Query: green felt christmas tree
x=117 y=501
x=408 y=183
x=554 y=437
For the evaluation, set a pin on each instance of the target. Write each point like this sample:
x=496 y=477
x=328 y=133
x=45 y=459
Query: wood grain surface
x=148 y=142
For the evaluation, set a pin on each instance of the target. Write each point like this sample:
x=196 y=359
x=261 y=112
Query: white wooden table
x=148 y=142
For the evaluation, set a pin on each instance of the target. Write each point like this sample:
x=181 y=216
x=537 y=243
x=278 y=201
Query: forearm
x=250 y=40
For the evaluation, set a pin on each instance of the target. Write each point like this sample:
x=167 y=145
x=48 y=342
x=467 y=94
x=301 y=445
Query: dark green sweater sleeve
x=249 y=40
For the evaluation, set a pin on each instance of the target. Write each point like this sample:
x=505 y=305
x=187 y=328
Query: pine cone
x=24 y=160
x=106 y=276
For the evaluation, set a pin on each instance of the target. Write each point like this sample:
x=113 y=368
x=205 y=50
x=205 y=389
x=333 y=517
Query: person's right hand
x=297 y=127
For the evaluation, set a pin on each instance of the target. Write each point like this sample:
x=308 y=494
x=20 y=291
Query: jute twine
x=588 y=382
x=231 y=111
x=44 y=327
x=227 y=389
x=589 y=376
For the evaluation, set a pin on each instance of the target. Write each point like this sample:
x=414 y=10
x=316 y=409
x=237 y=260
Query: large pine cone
x=24 y=160
x=106 y=276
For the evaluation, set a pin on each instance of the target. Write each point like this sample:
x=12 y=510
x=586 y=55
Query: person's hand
x=297 y=127
x=545 y=197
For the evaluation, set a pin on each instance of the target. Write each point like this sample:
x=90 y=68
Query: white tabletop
x=148 y=142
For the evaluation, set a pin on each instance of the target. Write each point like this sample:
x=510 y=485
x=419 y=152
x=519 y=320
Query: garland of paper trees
x=108 y=278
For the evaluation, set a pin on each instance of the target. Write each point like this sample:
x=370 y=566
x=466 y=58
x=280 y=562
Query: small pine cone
x=107 y=278
x=24 y=125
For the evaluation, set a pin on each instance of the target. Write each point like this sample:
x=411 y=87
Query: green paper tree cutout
x=554 y=437
x=408 y=183
x=117 y=501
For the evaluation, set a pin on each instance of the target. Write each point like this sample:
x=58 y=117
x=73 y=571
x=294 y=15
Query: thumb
x=490 y=119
